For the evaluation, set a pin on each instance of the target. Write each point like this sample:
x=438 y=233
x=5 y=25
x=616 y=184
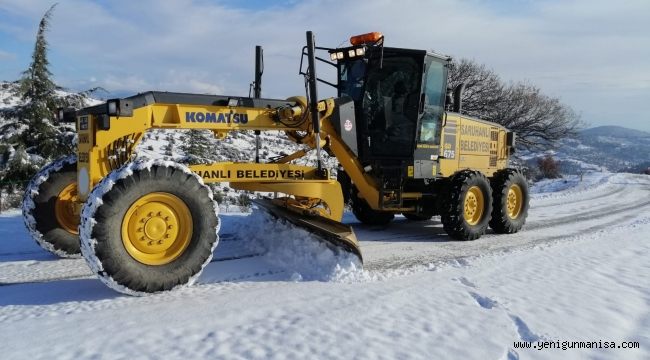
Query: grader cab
x=401 y=143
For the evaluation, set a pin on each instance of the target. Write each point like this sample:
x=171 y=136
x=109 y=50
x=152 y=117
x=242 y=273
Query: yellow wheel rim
x=66 y=210
x=515 y=201
x=474 y=205
x=157 y=228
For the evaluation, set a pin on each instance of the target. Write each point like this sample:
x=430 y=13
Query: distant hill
x=615 y=131
x=612 y=148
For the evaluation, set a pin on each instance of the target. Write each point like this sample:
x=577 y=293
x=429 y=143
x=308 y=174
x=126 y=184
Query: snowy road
x=597 y=204
x=579 y=271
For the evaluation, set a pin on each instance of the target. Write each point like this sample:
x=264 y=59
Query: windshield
x=386 y=93
x=352 y=77
x=390 y=104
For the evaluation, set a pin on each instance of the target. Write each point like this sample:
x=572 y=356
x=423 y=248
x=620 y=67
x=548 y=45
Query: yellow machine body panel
x=107 y=142
x=103 y=150
x=468 y=143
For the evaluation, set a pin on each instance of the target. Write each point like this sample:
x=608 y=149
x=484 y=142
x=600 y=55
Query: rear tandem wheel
x=511 y=198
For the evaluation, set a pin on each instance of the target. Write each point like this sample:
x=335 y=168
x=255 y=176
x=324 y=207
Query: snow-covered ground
x=579 y=271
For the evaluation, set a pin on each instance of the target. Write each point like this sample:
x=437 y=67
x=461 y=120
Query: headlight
x=112 y=107
x=119 y=107
x=361 y=51
x=351 y=53
x=339 y=55
x=333 y=56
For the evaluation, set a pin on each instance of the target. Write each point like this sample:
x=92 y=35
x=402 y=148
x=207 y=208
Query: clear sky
x=592 y=54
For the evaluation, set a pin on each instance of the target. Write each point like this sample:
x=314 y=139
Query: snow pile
x=95 y=201
x=358 y=275
x=569 y=183
x=292 y=248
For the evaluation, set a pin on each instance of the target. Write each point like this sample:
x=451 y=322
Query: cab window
x=434 y=90
x=390 y=104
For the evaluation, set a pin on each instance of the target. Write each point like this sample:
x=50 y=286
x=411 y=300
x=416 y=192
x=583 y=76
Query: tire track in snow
x=89 y=275
x=563 y=201
x=532 y=234
x=598 y=213
x=228 y=237
x=436 y=236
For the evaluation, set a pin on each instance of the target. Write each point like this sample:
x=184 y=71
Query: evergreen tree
x=29 y=135
x=19 y=167
x=38 y=91
x=36 y=84
x=197 y=146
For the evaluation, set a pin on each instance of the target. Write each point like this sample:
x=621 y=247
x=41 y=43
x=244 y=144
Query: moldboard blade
x=337 y=236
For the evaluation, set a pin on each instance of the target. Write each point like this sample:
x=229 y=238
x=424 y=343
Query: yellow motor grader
x=395 y=129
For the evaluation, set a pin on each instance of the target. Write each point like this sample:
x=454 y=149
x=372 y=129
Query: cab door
x=390 y=104
x=427 y=150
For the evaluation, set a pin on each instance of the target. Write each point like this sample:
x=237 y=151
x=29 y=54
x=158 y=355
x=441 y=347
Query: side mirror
x=511 y=141
x=458 y=93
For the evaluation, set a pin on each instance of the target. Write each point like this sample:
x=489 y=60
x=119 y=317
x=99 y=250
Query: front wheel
x=511 y=199
x=153 y=229
x=364 y=213
x=50 y=208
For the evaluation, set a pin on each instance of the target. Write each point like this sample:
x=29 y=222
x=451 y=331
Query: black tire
x=503 y=181
x=416 y=217
x=453 y=209
x=102 y=240
x=364 y=213
x=39 y=203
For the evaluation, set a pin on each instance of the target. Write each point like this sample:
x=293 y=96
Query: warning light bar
x=371 y=37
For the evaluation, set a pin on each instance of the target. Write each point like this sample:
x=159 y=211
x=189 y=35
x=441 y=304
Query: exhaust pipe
x=458 y=93
x=259 y=70
x=257 y=92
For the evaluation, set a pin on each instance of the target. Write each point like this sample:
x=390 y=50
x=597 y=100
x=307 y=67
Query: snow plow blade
x=335 y=235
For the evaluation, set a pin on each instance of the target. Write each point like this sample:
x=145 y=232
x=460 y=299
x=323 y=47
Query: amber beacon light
x=370 y=37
